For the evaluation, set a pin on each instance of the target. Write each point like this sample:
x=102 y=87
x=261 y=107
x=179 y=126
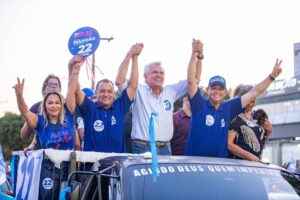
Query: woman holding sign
x=54 y=127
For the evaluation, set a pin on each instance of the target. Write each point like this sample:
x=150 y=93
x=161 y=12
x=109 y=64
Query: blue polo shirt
x=209 y=127
x=104 y=128
x=56 y=136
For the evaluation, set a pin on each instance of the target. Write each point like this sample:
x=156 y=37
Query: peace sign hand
x=19 y=87
x=277 y=69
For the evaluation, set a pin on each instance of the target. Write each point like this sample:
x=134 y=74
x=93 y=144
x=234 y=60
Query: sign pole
x=94 y=64
x=93 y=73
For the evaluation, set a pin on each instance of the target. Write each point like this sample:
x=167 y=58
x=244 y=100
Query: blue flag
x=153 y=147
x=2 y=167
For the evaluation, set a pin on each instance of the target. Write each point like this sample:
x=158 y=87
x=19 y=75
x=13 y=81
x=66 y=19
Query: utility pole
x=93 y=72
x=93 y=65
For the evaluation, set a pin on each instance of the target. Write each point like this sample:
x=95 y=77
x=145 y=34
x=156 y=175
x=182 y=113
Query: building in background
x=297 y=59
x=281 y=101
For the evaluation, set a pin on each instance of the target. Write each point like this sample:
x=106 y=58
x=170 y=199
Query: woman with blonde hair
x=54 y=127
x=54 y=124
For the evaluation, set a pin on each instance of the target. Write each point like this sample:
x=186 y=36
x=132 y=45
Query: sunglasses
x=53 y=84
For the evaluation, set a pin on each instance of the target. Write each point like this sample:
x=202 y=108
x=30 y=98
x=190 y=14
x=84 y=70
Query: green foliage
x=178 y=103
x=228 y=95
x=117 y=93
x=10 y=126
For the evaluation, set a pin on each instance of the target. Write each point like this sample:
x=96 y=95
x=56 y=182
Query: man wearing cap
x=211 y=117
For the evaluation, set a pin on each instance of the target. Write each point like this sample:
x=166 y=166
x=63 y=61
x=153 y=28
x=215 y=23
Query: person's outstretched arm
x=134 y=75
x=237 y=150
x=74 y=95
x=199 y=49
x=194 y=67
x=262 y=86
x=26 y=130
x=31 y=146
x=123 y=69
x=268 y=128
x=30 y=118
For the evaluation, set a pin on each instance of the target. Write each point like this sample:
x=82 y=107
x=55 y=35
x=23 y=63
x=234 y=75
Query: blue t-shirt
x=209 y=127
x=56 y=136
x=104 y=128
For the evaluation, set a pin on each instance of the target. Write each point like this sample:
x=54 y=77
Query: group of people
x=203 y=127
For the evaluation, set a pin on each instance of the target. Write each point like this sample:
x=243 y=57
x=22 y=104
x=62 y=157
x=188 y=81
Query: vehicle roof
x=127 y=161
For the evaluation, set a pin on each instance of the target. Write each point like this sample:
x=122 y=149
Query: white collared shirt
x=145 y=103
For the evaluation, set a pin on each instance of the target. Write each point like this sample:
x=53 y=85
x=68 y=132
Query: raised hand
x=268 y=128
x=19 y=87
x=136 y=49
x=277 y=69
x=76 y=62
x=197 y=46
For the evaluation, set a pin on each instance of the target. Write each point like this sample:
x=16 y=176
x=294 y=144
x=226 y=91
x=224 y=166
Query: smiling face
x=53 y=106
x=105 y=94
x=216 y=93
x=155 y=76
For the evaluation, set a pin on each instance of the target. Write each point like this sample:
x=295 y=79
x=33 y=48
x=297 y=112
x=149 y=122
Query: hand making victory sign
x=276 y=70
x=19 y=87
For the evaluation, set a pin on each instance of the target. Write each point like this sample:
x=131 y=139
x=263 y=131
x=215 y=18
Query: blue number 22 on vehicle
x=84 y=41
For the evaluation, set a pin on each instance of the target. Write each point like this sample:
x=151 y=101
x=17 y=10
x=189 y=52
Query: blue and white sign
x=84 y=41
x=29 y=170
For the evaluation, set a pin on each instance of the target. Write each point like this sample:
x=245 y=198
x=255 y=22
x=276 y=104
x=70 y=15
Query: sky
x=242 y=39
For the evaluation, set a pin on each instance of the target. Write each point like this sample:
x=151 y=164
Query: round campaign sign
x=84 y=41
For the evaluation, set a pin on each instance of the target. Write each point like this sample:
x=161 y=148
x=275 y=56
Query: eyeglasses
x=53 y=84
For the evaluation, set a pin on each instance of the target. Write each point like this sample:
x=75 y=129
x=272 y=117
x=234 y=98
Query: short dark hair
x=105 y=80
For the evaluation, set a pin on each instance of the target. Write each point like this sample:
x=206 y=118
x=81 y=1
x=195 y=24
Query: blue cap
x=88 y=92
x=217 y=80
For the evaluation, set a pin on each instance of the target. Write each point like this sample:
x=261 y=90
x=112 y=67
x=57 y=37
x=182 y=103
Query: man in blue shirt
x=104 y=119
x=211 y=117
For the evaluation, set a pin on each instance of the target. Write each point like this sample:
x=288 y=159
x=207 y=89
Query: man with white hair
x=153 y=97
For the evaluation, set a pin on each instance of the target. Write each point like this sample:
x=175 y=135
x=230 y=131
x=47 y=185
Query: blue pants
x=141 y=148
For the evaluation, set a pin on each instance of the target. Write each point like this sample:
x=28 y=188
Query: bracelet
x=200 y=56
x=75 y=71
x=271 y=77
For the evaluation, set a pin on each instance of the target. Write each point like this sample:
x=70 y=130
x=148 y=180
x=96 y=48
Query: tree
x=10 y=126
x=178 y=103
x=228 y=95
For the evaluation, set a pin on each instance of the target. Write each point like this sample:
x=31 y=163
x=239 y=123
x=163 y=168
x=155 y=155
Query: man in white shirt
x=153 y=97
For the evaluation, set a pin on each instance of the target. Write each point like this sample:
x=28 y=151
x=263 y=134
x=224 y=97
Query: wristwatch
x=200 y=56
x=271 y=77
